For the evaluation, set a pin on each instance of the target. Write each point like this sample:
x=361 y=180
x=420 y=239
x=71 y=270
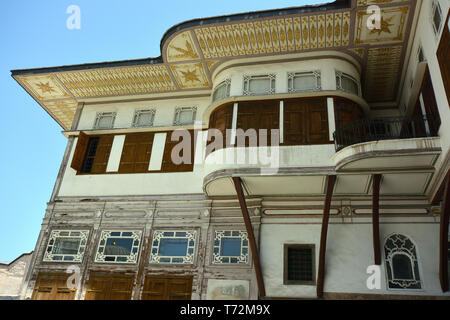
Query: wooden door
x=167 y=288
x=109 y=287
x=52 y=286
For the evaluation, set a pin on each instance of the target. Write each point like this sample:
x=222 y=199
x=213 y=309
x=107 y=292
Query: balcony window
x=118 y=246
x=222 y=90
x=304 y=81
x=143 y=118
x=230 y=247
x=66 y=246
x=184 y=116
x=104 y=120
x=346 y=83
x=173 y=247
x=261 y=84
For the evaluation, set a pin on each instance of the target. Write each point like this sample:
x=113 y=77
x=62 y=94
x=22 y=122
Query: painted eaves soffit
x=192 y=51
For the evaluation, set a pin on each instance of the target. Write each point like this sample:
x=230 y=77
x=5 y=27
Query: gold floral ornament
x=384 y=24
x=185 y=53
x=45 y=87
x=190 y=75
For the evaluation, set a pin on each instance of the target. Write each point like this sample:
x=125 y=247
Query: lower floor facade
x=191 y=247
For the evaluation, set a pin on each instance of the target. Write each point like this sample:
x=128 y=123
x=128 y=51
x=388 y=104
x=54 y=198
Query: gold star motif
x=45 y=87
x=190 y=76
x=384 y=26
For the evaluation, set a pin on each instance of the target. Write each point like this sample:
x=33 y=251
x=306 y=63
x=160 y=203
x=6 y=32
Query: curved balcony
x=366 y=130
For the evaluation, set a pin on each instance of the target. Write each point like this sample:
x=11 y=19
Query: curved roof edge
x=337 y=4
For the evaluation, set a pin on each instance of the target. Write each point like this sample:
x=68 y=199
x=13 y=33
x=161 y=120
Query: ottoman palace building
x=336 y=187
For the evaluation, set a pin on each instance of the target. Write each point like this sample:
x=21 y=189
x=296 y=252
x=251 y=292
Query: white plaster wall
x=164 y=116
x=349 y=253
x=98 y=185
x=425 y=36
x=281 y=69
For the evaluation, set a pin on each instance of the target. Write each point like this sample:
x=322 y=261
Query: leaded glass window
x=143 y=118
x=118 y=246
x=261 y=84
x=222 y=90
x=402 y=267
x=104 y=120
x=436 y=17
x=347 y=83
x=304 y=81
x=230 y=247
x=299 y=264
x=184 y=115
x=175 y=247
x=66 y=246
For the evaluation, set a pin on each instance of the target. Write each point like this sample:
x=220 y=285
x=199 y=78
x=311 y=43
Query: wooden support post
x=323 y=235
x=251 y=236
x=443 y=235
x=375 y=218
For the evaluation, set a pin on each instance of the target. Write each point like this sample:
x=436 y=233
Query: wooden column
x=251 y=236
x=375 y=218
x=323 y=235
x=443 y=235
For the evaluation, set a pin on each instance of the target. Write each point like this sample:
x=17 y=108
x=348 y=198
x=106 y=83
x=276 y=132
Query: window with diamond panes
x=222 y=90
x=66 y=246
x=184 y=115
x=143 y=118
x=299 y=264
x=261 y=84
x=304 y=81
x=230 y=247
x=104 y=120
x=347 y=83
x=173 y=247
x=436 y=16
x=118 y=246
x=402 y=267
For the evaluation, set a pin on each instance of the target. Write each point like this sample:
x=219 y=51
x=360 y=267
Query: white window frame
x=243 y=258
x=227 y=84
x=411 y=253
x=179 y=110
x=339 y=87
x=436 y=6
x=137 y=113
x=190 y=236
x=100 y=257
x=49 y=256
x=247 y=78
x=293 y=75
x=103 y=114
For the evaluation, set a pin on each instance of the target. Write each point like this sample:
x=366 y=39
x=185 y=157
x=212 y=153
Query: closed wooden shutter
x=443 y=56
x=52 y=286
x=136 y=153
x=294 y=123
x=109 y=287
x=317 y=122
x=80 y=150
x=258 y=115
x=167 y=164
x=102 y=154
x=167 y=288
x=222 y=119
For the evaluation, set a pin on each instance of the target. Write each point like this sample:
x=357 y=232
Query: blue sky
x=34 y=34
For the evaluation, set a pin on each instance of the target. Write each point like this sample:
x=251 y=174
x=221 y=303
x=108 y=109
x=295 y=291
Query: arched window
x=402 y=267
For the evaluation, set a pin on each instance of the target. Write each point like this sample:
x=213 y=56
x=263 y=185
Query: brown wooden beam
x=443 y=235
x=375 y=218
x=251 y=236
x=323 y=235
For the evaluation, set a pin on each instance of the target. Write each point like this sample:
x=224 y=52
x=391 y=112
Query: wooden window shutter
x=102 y=154
x=443 y=58
x=167 y=163
x=317 y=122
x=136 y=153
x=294 y=123
x=80 y=150
x=429 y=99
